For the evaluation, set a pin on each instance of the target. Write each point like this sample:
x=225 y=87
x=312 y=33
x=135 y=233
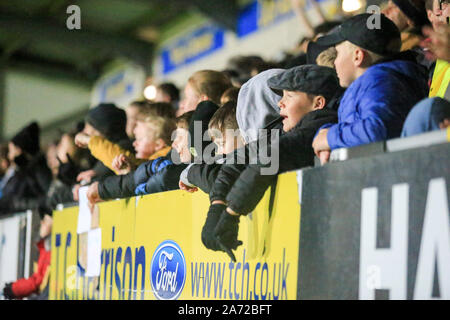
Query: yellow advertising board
x=152 y=249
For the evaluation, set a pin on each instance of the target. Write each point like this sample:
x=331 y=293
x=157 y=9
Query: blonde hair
x=161 y=128
x=158 y=109
x=210 y=83
x=326 y=58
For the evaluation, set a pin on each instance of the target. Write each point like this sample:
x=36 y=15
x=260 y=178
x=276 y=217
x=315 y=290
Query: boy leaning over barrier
x=114 y=155
x=161 y=174
x=190 y=145
x=306 y=91
x=224 y=131
x=107 y=122
x=153 y=138
x=382 y=84
x=230 y=128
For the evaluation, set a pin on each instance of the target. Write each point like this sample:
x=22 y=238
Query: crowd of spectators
x=347 y=86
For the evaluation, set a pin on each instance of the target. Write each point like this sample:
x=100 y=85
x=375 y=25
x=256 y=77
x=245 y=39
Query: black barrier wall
x=377 y=227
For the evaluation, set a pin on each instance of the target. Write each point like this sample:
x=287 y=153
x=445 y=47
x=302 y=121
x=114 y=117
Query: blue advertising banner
x=207 y=39
x=259 y=14
x=194 y=46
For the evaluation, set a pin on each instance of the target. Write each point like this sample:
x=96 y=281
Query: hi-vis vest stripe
x=441 y=78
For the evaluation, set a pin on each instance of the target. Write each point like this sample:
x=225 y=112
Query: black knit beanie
x=28 y=138
x=200 y=120
x=109 y=120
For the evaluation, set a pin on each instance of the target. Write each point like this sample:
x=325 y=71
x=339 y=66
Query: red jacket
x=25 y=287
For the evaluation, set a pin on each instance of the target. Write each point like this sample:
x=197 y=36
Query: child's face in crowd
x=13 y=151
x=52 y=160
x=132 y=113
x=46 y=226
x=190 y=99
x=145 y=144
x=91 y=131
x=181 y=144
x=293 y=107
x=344 y=63
x=228 y=141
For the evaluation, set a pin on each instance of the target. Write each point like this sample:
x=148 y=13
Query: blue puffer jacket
x=376 y=104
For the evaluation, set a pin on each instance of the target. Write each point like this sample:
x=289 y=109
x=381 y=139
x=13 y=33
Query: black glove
x=7 y=292
x=226 y=233
x=208 y=238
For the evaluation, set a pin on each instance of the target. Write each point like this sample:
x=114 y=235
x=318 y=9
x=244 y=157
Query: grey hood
x=257 y=105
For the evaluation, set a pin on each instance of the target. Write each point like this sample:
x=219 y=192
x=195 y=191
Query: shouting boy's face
x=146 y=143
x=293 y=107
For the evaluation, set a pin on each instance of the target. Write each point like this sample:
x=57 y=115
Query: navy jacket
x=243 y=186
x=131 y=184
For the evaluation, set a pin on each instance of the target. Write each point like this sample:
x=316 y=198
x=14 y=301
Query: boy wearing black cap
x=382 y=85
x=304 y=108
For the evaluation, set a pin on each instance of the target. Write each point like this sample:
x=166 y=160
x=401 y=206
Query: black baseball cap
x=308 y=78
x=363 y=31
x=313 y=51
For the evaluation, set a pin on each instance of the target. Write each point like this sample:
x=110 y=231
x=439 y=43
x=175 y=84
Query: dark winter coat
x=124 y=186
x=204 y=175
x=24 y=190
x=242 y=186
x=114 y=187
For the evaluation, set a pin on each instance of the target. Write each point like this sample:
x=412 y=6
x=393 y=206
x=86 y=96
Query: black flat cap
x=308 y=78
x=363 y=31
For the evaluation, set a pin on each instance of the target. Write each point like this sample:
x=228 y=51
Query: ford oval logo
x=168 y=271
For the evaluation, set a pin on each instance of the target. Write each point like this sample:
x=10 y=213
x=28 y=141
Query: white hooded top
x=257 y=105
